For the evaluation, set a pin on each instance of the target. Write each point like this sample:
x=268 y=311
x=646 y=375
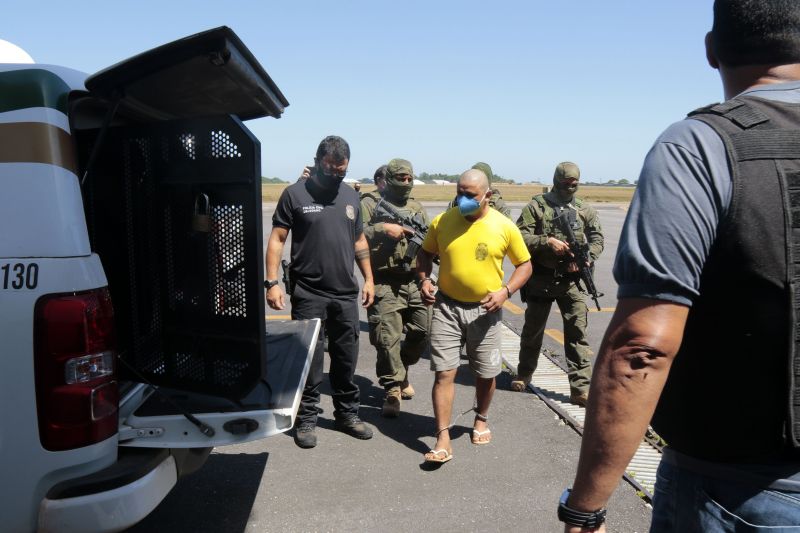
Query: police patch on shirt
x=482 y=251
x=350 y=212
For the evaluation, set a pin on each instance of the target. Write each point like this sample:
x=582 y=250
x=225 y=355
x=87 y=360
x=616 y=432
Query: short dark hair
x=380 y=173
x=334 y=146
x=756 y=32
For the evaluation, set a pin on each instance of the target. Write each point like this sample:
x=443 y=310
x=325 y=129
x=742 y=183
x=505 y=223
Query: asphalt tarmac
x=381 y=484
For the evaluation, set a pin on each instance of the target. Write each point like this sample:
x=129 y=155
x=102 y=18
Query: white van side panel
x=33 y=469
x=41 y=212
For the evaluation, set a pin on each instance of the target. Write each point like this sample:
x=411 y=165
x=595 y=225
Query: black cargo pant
x=340 y=322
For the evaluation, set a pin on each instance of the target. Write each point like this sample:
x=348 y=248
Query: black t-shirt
x=324 y=226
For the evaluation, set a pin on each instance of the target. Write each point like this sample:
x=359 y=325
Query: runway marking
x=279 y=317
x=555 y=335
x=514 y=308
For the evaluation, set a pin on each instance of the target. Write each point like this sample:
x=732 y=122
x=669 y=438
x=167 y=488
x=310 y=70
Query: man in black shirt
x=324 y=217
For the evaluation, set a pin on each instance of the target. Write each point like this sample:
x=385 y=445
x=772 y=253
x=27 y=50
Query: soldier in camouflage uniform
x=398 y=302
x=551 y=280
x=372 y=198
x=496 y=200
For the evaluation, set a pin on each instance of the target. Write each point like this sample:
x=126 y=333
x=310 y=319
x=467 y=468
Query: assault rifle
x=580 y=253
x=414 y=223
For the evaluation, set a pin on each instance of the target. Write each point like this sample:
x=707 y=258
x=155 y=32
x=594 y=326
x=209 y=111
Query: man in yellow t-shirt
x=471 y=239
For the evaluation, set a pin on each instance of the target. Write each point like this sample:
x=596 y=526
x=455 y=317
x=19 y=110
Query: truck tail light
x=74 y=360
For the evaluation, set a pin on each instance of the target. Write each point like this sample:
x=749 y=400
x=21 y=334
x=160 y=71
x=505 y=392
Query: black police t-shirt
x=324 y=227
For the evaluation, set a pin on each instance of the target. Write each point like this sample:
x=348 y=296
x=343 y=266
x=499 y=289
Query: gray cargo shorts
x=456 y=323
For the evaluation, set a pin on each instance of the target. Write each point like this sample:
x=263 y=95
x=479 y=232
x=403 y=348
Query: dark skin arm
x=494 y=301
x=424 y=268
x=362 y=259
x=630 y=372
x=277 y=238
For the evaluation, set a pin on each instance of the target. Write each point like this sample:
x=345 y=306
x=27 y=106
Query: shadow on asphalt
x=235 y=480
x=410 y=428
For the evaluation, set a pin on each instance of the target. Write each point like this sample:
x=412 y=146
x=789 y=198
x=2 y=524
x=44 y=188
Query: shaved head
x=474 y=176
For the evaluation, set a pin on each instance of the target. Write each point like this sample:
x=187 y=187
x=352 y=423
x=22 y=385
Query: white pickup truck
x=132 y=324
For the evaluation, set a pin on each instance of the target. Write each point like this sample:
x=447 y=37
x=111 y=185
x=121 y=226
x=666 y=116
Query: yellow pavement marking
x=279 y=317
x=517 y=310
x=555 y=335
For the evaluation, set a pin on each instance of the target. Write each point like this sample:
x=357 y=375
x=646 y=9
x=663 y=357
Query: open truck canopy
x=173 y=204
x=210 y=73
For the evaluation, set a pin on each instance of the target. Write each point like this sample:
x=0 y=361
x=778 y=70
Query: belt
x=387 y=278
x=448 y=299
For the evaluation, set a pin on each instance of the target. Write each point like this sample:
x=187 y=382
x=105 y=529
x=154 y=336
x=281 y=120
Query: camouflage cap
x=399 y=167
x=485 y=168
x=567 y=170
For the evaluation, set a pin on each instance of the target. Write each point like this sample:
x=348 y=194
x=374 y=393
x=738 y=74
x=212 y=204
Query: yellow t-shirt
x=472 y=252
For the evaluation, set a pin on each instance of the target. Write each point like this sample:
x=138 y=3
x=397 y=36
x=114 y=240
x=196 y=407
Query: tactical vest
x=732 y=392
x=374 y=196
x=386 y=254
x=546 y=225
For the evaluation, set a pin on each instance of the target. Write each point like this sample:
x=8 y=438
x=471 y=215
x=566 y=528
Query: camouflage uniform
x=550 y=282
x=368 y=202
x=496 y=200
x=398 y=302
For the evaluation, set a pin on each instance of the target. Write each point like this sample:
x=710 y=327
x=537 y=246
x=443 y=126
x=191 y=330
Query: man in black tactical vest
x=704 y=338
x=398 y=305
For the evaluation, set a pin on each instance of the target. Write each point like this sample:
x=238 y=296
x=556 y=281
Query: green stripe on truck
x=21 y=89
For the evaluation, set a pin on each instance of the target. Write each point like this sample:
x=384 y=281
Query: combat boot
x=579 y=397
x=406 y=390
x=304 y=435
x=353 y=426
x=391 y=404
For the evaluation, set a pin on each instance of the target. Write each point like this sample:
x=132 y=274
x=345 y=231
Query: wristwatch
x=268 y=284
x=579 y=518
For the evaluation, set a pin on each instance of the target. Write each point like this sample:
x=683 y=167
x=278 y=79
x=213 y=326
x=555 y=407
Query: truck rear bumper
x=109 y=510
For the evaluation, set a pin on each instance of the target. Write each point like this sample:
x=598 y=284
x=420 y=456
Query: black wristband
x=579 y=518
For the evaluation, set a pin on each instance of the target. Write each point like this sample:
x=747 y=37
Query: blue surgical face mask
x=468 y=206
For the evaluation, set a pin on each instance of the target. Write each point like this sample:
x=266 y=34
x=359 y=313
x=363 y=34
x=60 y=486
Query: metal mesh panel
x=189 y=145
x=185 y=277
x=221 y=146
x=228 y=260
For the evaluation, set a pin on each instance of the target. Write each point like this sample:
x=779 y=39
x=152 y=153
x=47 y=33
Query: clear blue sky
x=519 y=84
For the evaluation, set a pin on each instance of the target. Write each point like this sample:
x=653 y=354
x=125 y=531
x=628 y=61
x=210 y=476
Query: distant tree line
x=613 y=183
x=272 y=180
x=453 y=178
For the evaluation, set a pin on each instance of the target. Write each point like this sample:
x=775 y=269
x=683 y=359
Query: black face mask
x=564 y=190
x=328 y=181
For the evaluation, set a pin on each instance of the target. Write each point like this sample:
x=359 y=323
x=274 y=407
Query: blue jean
x=687 y=502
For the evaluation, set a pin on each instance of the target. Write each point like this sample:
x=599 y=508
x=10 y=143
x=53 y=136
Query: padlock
x=201 y=218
